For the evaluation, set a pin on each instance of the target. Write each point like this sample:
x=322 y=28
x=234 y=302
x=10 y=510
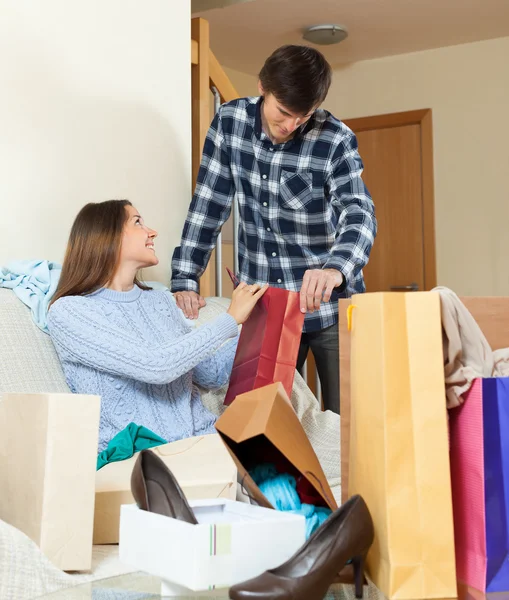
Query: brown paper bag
x=261 y=426
x=399 y=458
x=202 y=465
x=48 y=454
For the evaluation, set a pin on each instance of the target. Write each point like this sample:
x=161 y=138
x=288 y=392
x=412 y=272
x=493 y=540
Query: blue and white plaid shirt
x=302 y=205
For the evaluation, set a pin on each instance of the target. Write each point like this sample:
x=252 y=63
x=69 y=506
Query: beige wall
x=467 y=87
x=95 y=104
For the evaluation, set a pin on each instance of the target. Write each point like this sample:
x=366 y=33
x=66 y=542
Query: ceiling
x=243 y=33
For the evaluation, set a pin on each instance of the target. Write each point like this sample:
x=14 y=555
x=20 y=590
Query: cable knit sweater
x=136 y=351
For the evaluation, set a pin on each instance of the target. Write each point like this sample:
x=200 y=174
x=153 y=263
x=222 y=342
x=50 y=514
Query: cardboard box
x=202 y=466
x=232 y=542
x=262 y=427
x=48 y=454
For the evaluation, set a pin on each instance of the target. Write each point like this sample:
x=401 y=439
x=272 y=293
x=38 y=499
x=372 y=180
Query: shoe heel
x=358 y=570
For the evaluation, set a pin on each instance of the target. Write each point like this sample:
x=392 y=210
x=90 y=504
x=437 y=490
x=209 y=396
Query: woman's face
x=137 y=242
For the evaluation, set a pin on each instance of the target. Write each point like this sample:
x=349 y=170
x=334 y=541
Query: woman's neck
x=122 y=281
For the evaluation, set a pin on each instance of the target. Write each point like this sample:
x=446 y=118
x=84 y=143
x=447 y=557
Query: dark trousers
x=324 y=345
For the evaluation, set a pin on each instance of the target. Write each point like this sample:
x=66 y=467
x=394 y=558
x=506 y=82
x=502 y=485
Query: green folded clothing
x=127 y=442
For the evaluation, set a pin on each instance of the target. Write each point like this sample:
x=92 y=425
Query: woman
x=129 y=344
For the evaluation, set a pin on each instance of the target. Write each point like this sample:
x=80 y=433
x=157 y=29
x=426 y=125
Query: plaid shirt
x=302 y=205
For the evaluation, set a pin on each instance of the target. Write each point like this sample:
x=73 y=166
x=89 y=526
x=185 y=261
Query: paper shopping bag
x=48 y=454
x=399 y=456
x=262 y=427
x=479 y=435
x=202 y=466
x=269 y=344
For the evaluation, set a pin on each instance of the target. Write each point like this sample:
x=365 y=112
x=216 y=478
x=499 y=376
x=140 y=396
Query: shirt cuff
x=344 y=266
x=185 y=285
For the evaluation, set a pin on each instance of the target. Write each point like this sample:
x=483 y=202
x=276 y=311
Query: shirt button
x=274 y=254
x=271 y=149
x=264 y=176
x=279 y=281
x=268 y=228
x=265 y=204
x=118 y=386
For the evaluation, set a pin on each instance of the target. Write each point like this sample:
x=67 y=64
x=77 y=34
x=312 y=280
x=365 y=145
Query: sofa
x=29 y=364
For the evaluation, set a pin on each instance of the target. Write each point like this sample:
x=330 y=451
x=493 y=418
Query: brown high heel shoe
x=347 y=534
x=156 y=490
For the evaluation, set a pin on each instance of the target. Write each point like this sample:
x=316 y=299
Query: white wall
x=95 y=103
x=467 y=87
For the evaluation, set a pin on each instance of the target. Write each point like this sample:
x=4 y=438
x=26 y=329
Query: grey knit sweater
x=136 y=351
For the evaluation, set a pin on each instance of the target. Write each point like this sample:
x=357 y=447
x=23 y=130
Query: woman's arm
x=82 y=335
x=215 y=371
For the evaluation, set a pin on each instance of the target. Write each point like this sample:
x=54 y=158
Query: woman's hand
x=244 y=299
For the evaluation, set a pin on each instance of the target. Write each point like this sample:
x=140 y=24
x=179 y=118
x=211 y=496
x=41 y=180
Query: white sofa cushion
x=28 y=361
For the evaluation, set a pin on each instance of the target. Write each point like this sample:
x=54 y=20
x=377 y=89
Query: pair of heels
x=346 y=535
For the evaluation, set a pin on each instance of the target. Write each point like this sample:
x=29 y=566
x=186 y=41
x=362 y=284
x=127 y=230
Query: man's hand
x=317 y=286
x=190 y=303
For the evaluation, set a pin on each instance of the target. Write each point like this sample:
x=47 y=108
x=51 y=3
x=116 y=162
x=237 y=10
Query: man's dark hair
x=298 y=76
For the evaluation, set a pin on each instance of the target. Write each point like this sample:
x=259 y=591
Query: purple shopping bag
x=479 y=435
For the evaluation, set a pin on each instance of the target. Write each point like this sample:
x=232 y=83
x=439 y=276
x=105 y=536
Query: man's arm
x=356 y=228
x=209 y=209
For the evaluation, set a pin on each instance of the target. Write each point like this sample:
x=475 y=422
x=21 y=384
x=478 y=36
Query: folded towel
x=34 y=282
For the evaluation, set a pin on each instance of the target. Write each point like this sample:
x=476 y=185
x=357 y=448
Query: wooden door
x=398 y=172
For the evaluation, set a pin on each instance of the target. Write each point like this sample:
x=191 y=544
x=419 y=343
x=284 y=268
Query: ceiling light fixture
x=323 y=35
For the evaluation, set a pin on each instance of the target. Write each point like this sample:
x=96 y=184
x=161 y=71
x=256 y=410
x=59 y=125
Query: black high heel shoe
x=347 y=534
x=156 y=490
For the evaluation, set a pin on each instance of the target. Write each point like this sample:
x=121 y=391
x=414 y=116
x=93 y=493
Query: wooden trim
x=428 y=202
x=411 y=117
x=219 y=79
x=200 y=78
x=194 y=52
x=344 y=394
x=423 y=118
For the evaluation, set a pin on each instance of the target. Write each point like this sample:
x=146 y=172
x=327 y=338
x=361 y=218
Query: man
x=307 y=221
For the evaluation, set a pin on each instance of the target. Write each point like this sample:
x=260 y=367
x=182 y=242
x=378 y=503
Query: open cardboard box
x=232 y=542
x=261 y=427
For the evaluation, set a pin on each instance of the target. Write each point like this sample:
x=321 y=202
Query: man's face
x=281 y=121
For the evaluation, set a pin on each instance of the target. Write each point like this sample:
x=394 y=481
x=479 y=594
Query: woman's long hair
x=93 y=250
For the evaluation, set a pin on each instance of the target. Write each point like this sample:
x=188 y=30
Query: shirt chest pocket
x=296 y=189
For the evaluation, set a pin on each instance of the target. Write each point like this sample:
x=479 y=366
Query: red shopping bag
x=269 y=344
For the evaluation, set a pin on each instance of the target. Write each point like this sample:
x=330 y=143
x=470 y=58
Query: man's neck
x=266 y=129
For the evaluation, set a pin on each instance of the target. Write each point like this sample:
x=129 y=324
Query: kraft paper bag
x=262 y=427
x=399 y=454
x=202 y=466
x=48 y=454
x=479 y=437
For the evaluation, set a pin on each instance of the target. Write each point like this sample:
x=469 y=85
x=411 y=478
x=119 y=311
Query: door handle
x=413 y=287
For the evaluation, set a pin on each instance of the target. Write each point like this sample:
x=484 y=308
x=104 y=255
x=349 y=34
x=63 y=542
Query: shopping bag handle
x=244 y=490
x=233 y=277
x=324 y=492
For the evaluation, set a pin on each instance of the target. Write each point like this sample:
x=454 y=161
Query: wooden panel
x=200 y=113
x=344 y=394
x=219 y=79
x=492 y=316
x=392 y=158
x=364 y=127
x=428 y=202
x=194 y=52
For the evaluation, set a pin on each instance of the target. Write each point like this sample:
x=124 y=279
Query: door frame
x=423 y=118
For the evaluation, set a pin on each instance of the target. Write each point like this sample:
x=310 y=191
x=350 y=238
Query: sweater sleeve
x=85 y=336
x=215 y=371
